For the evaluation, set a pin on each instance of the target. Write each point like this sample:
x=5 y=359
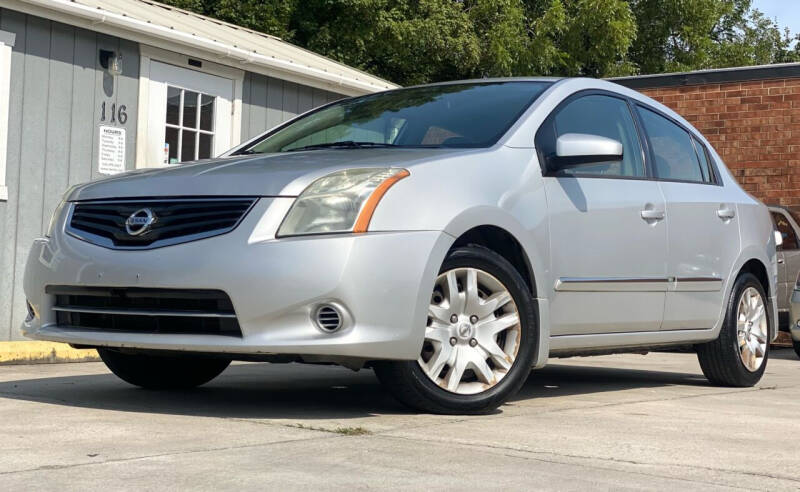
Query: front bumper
x=383 y=280
x=794 y=316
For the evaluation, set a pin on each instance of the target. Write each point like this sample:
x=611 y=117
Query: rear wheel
x=738 y=357
x=479 y=340
x=162 y=371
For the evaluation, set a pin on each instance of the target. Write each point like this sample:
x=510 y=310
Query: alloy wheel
x=473 y=334
x=751 y=329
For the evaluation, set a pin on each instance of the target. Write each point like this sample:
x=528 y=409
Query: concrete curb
x=43 y=353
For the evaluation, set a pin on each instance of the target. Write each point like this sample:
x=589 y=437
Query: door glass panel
x=204 y=150
x=173 y=106
x=188 y=145
x=189 y=109
x=207 y=113
x=606 y=117
x=675 y=158
x=189 y=133
x=171 y=146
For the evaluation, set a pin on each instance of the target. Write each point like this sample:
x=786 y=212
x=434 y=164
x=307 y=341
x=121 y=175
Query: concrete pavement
x=611 y=422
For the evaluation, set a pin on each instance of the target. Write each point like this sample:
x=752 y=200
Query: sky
x=787 y=12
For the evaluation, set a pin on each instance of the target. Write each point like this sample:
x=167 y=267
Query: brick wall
x=754 y=126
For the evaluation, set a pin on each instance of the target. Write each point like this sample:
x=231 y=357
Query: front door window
x=189 y=125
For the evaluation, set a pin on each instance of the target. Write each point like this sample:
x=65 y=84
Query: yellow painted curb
x=43 y=352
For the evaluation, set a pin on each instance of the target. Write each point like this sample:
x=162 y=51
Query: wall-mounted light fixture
x=111 y=62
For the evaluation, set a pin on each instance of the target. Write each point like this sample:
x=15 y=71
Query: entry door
x=189 y=115
x=702 y=224
x=608 y=239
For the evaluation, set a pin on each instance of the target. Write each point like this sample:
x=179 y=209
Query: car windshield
x=467 y=115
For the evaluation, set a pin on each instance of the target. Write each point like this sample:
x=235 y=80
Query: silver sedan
x=450 y=236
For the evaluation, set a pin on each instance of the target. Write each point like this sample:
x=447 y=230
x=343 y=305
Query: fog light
x=328 y=318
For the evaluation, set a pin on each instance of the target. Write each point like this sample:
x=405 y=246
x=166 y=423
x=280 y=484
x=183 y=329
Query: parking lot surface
x=612 y=422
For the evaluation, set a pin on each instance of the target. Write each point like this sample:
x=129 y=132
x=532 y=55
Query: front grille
x=138 y=310
x=173 y=220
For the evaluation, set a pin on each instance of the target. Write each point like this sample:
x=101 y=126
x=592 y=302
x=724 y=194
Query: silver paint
x=579 y=228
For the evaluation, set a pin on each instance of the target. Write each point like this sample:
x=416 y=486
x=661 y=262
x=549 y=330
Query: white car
x=451 y=236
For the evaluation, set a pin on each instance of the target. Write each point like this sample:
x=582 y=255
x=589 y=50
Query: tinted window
x=787 y=231
x=673 y=152
x=705 y=165
x=603 y=116
x=457 y=115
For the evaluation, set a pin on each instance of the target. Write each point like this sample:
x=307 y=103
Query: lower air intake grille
x=137 y=310
x=143 y=224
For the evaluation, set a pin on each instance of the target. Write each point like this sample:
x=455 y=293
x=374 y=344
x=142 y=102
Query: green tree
x=418 y=41
x=681 y=35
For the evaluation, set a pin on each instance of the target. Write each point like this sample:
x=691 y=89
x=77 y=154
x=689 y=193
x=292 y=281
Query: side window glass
x=675 y=157
x=787 y=231
x=604 y=116
x=705 y=165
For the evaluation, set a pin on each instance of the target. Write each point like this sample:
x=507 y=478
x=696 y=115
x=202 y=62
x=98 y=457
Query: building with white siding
x=90 y=88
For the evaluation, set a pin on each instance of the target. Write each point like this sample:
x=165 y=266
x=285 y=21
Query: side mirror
x=778 y=239
x=575 y=149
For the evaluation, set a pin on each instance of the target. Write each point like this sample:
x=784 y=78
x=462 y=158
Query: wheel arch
x=754 y=261
x=490 y=227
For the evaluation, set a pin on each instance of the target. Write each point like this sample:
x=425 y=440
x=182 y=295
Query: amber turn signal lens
x=362 y=223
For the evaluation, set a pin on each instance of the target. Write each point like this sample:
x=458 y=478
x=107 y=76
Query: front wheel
x=738 y=357
x=480 y=338
x=162 y=371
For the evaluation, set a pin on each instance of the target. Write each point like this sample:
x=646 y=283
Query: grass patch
x=352 y=431
x=345 y=431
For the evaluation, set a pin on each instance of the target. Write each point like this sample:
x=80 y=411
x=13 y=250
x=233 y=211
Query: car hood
x=283 y=174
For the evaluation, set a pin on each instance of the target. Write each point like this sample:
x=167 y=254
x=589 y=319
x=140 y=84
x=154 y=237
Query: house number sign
x=114 y=113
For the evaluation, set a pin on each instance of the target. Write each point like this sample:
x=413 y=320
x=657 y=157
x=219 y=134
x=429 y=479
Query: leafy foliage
x=418 y=41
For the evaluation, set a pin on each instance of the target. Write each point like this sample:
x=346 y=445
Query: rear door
x=608 y=237
x=701 y=223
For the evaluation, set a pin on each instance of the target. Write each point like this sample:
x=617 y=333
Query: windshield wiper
x=346 y=144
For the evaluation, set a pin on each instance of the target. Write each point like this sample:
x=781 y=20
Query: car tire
x=723 y=360
x=409 y=383
x=796 y=346
x=162 y=371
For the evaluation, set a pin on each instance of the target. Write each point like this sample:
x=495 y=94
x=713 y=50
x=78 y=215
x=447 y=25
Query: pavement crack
x=599 y=458
x=161 y=455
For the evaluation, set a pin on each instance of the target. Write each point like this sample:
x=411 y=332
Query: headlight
x=54 y=218
x=339 y=202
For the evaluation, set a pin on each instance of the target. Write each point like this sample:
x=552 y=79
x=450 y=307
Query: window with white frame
x=189 y=131
x=6 y=43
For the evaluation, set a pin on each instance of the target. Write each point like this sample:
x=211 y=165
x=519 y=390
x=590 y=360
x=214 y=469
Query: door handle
x=725 y=212
x=649 y=214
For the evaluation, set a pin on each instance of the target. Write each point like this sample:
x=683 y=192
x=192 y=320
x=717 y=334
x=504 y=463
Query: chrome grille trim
x=102 y=222
x=144 y=312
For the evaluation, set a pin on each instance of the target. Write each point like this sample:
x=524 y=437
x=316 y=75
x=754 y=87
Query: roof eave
x=148 y=33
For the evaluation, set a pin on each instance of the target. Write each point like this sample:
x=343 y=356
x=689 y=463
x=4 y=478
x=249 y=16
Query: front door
x=189 y=115
x=608 y=237
x=702 y=224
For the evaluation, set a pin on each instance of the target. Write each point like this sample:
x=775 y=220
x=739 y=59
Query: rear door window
x=674 y=155
x=787 y=231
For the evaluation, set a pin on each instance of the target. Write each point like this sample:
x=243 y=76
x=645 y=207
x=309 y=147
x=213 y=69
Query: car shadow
x=297 y=391
x=783 y=353
x=562 y=379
